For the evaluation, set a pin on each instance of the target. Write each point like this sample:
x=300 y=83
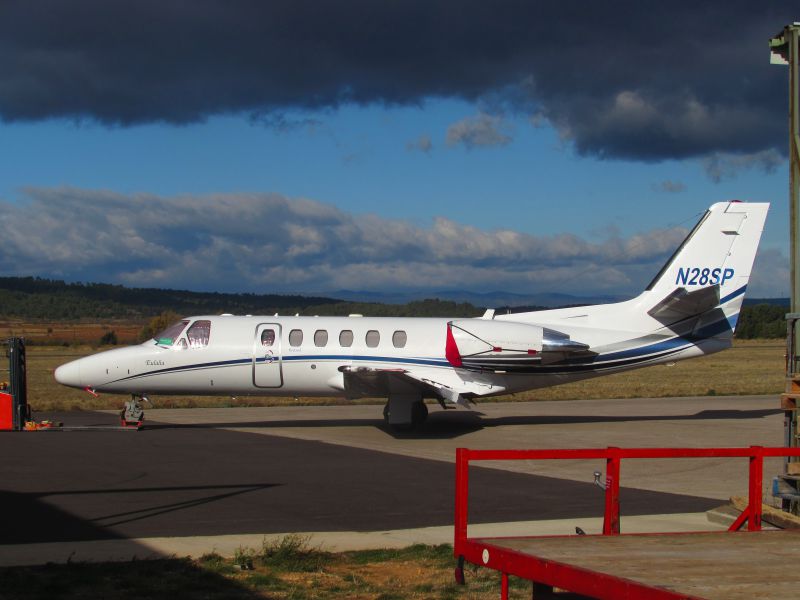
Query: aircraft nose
x=69 y=374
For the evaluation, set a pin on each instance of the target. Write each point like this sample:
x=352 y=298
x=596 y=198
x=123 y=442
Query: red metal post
x=462 y=494
x=611 y=516
x=504 y=586
x=743 y=516
x=756 y=481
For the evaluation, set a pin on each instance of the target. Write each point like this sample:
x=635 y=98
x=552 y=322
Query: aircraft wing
x=377 y=382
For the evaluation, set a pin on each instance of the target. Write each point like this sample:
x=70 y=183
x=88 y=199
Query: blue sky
x=411 y=166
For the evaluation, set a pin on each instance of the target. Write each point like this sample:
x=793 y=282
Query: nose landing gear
x=132 y=415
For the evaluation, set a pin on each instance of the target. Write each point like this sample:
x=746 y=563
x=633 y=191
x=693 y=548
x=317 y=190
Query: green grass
x=292 y=553
x=443 y=554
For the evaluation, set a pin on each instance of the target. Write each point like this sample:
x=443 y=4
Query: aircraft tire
x=419 y=413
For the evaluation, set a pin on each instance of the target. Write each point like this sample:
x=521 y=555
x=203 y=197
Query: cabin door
x=267 y=364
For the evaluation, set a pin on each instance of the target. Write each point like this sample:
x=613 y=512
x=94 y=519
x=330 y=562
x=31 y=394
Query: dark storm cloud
x=643 y=80
x=721 y=165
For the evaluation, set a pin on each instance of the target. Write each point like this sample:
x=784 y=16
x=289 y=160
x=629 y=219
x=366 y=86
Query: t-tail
x=689 y=309
x=699 y=291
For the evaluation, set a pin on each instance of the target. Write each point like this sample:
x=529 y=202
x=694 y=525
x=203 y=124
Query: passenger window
x=295 y=337
x=345 y=338
x=399 y=339
x=373 y=338
x=268 y=337
x=198 y=334
x=320 y=338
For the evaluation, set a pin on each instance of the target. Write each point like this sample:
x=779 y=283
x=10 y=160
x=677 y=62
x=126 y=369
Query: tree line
x=32 y=298
x=48 y=299
x=762 y=321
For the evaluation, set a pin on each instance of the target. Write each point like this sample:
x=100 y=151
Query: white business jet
x=690 y=309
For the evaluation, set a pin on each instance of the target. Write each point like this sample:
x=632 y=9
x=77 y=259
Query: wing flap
x=371 y=382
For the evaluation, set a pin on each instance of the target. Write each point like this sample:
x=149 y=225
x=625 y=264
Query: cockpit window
x=171 y=333
x=198 y=334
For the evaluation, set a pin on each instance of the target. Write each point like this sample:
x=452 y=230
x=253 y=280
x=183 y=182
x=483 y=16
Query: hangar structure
x=784 y=51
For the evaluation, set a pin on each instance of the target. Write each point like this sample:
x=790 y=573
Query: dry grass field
x=750 y=367
x=61 y=333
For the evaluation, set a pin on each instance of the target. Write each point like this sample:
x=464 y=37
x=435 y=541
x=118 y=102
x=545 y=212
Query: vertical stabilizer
x=718 y=253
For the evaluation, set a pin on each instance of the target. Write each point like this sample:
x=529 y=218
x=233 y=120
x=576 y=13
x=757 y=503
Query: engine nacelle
x=506 y=345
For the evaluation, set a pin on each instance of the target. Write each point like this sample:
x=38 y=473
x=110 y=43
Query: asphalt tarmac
x=258 y=471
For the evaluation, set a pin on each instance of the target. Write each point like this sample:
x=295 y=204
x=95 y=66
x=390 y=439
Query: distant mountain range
x=498 y=299
x=36 y=298
x=482 y=299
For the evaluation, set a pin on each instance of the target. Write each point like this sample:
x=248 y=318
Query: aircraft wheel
x=419 y=412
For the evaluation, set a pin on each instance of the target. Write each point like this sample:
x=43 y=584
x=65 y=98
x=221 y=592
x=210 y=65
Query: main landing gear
x=404 y=413
x=132 y=415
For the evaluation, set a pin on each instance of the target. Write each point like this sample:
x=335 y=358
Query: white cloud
x=482 y=130
x=770 y=276
x=422 y=144
x=267 y=242
x=669 y=186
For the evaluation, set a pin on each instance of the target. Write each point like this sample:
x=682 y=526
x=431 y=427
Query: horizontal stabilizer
x=681 y=304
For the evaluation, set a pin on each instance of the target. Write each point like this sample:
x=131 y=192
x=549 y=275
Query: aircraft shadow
x=453 y=424
x=55 y=525
x=120 y=518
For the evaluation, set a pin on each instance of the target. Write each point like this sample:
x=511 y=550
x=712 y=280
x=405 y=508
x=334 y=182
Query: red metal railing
x=613 y=457
x=463 y=548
